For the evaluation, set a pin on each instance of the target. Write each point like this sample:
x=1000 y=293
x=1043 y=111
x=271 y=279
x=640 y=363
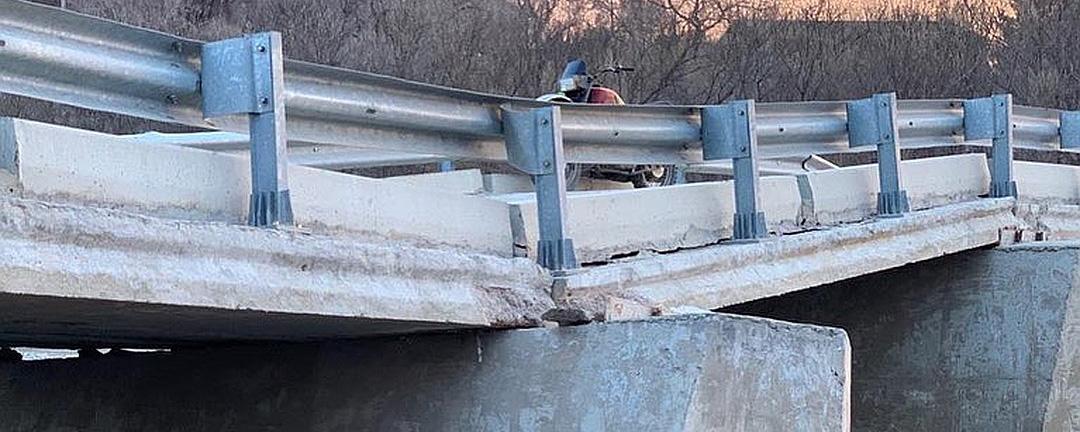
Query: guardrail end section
x=1070 y=130
x=246 y=75
x=534 y=145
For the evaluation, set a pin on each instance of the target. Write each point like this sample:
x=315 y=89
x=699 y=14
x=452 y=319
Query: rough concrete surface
x=70 y=165
x=988 y=340
x=691 y=373
x=74 y=272
x=728 y=274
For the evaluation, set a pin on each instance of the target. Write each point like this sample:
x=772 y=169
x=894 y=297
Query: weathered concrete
x=499 y=184
x=606 y=224
x=1047 y=183
x=729 y=274
x=1052 y=221
x=988 y=340
x=691 y=373
x=70 y=165
x=75 y=274
x=850 y=194
x=469 y=182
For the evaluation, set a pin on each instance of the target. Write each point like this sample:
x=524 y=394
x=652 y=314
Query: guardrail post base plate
x=892 y=204
x=270 y=207
x=750 y=226
x=1003 y=189
x=556 y=254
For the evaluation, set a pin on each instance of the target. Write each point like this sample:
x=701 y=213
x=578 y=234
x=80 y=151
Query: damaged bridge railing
x=246 y=85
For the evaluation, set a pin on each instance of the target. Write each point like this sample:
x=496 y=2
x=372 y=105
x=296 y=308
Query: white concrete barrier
x=60 y=163
x=469 y=182
x=609 y=223
x=1047 y=183
x=850 y=194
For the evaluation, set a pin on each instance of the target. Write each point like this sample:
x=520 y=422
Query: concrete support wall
x=983 y=341
x=691 y=373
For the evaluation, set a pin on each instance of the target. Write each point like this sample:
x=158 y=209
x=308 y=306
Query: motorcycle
x=577 y=85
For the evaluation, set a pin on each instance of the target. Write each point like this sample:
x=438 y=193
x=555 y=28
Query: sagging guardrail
x=245 y=84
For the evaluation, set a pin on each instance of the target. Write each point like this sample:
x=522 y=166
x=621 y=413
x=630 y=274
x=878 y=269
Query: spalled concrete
x=75 y=275
x=729 y=274
x=690 y=373
x=987 y=340
x=71 y=165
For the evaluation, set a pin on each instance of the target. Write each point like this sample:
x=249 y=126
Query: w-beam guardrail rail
x=244 y=85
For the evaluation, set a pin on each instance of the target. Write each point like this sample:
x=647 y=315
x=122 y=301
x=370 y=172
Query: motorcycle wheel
x=655 y=176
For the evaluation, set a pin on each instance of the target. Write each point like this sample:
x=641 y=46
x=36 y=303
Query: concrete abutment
x=699 y=372
x=987 y=340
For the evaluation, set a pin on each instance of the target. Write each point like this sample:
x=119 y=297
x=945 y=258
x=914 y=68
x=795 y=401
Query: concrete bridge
x=221 y=282
x=110 y=243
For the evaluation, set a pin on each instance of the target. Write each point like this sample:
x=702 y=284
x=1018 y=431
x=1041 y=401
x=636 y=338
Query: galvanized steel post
x=727 y=132
x=872 y=121
x=534 y=145
x=246 y=76
x=1070 y=130
x=991 y=118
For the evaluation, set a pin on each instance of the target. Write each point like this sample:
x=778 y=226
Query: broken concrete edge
x=82 y=167
x=1050 y=221
x=66 y=251
x=728 y=274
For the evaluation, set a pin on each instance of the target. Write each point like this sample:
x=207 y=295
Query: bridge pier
x=983 y=340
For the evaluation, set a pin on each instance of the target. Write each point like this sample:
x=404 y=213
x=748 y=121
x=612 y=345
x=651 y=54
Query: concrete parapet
x=690 y=373
x=850 y=194
x=1047 y=183
x=71 y=165
x=611 y=223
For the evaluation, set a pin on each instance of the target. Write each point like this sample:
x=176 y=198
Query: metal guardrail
x=245 y=84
